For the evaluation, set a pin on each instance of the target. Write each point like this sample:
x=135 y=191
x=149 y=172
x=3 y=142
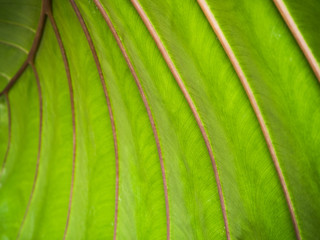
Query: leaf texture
x=158 y=120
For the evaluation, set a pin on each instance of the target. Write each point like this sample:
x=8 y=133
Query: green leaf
x=159 y=120
x=302 y=18
x=18 y=23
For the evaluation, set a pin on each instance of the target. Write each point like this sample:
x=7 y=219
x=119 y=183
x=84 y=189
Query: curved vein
x=17 y=46
x=298 y=36
x=34 y=47
x=9 y=135
x=5 y=75
x=98 y=65
x=146 y=104
x=187 y=96
x=67 y=69
x=18 y=24
x=39 y=148
x=216 y=28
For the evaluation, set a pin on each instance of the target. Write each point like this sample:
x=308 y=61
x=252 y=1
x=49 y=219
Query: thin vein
x=19 y=4
x=18 y=24
x=67 y=69
x=187 y=96
x=17 y=46
x=9 y=135
x=33 y=50
x=39 y=148
x=215 y=26
x=146 y=104
x=298 y=36
x=98 y=65
x=5 y=75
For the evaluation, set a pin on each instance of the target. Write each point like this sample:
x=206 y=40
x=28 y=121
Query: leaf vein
x=192 y=106
x=146 y=104
x=111 y=116
x=224 y=42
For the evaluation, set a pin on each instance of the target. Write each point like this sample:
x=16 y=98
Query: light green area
x=18 y=172
x=51 y=197
x=283 y=85
x=287 y=93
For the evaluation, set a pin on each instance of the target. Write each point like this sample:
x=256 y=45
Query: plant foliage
x=162 y=119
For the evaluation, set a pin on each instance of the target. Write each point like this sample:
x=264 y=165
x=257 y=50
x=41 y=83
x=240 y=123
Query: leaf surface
x=158 y=120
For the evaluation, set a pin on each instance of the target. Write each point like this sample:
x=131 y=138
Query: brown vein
x=67 y=69
x=146 y=104
x=33 y=50
x=98 y=65
x=298 y=36
x=9 y=135
x=39 y=147
x=215 y=26
x=187 y=96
